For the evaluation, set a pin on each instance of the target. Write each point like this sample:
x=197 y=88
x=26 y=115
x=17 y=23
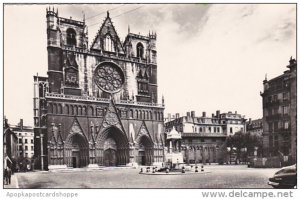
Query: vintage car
x=286 y=177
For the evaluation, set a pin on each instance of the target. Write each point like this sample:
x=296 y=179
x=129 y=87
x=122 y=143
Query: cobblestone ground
x=219 y=177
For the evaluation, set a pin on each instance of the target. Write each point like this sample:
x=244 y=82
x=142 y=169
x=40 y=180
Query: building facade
x=254 y=127
x=203 y=137
x=279 y=100
x=10 y=141
x=98 y=106
x=25 y=135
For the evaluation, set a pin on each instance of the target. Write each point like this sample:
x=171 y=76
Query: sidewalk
x=14 y=183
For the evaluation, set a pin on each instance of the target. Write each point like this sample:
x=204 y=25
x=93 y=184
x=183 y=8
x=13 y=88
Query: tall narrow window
x=140 y=50
x=108 y=44
x=71 y=37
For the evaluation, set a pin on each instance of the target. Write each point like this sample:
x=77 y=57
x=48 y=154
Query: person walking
x=8 y=175
x=5 y=176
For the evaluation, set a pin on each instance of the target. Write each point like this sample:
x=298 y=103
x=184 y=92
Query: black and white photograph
x=150 y=96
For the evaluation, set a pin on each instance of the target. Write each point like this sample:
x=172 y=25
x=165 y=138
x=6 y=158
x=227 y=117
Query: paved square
x=219 y=177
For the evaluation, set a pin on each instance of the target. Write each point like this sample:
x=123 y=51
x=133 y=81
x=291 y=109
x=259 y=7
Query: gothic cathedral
x=98 y=105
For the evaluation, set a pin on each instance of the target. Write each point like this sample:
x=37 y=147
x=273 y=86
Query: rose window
x=109 y=77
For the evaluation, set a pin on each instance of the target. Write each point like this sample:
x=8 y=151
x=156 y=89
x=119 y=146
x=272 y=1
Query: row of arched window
x=57 y=108
x=146 y=115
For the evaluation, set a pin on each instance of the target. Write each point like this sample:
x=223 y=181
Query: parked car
x=284 y=178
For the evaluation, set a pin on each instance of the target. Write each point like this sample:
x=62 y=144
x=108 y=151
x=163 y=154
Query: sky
x=210 y=56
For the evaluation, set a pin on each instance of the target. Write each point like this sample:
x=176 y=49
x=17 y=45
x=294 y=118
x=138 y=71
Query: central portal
x=110 y=152
x=110 y=158
x=115 y=147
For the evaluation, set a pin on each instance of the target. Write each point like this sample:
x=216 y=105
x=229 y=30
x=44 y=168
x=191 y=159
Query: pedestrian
x=8 y=175
x=5 y=176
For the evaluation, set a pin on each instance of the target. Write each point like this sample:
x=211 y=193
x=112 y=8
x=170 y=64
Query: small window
x=71 y=37
x=26 y=141
x=140 y=50
x=20 y=140
x=26 y=148
x=286 y=125
x=230 y=129
x=31 y=141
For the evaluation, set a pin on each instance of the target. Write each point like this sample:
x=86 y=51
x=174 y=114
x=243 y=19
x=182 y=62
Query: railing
x=112 y=56
x=73 y=48
x=203 y=135
x=95 y=99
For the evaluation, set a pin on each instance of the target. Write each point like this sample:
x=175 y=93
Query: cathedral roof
x=107 y=27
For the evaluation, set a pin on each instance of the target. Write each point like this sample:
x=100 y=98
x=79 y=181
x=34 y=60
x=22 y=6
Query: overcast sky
x=210 y=57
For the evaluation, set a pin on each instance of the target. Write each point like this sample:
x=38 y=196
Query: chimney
x=177 y=115
x=218 y=113
x=21 y=124
x=212 y=115
x=193 y=114
x=203 y=114
x=188 y=114
x=235 y=112
x=250 y=120
x=169 y=117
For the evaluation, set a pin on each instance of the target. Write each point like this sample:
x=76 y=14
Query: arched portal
x=112 y=145
x=145 y=151
x=76 y=151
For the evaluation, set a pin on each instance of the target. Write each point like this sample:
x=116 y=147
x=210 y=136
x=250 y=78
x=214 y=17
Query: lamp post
x=42 y=151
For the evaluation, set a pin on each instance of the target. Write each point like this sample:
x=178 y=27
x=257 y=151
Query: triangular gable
x=143 y=131
x=76 y=128
x=107 y=28
x=111 y=118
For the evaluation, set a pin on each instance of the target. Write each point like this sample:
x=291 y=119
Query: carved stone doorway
x=110 y=158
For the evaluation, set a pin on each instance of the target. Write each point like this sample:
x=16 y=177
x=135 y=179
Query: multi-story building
x=204 y=137
x=10 y=141
x=99 y=104
x=25 y=137
x=254 y=127
x=280 y=114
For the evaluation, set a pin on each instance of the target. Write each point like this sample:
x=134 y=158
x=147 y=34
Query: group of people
x=7 y=175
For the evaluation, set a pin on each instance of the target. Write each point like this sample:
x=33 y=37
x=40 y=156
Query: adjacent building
x=279 y=100
x=203 y=137
x=254 y=127
x=25 y=135
x=99 y=104
x=10 y=141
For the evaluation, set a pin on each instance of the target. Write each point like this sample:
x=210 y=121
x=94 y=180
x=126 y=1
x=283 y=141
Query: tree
x=245 y=141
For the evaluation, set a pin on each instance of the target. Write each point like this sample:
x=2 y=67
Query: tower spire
x=266 y=77
x=128 y=28
x=107 y=13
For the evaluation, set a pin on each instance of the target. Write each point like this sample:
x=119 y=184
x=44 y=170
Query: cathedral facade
x=98 y=105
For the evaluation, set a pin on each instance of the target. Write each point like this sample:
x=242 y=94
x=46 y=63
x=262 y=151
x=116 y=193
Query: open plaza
x=214 y=176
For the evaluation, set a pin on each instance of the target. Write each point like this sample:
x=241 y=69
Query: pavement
x=14 y=183
x=219 y=176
